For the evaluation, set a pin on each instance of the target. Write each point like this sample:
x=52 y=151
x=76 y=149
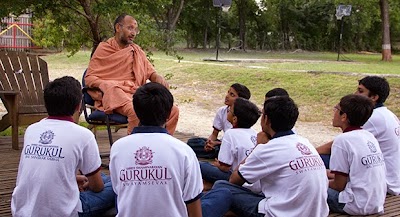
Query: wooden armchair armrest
x=8 y=92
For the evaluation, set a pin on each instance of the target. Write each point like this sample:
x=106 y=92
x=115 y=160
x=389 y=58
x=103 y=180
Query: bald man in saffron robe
x=118 y=67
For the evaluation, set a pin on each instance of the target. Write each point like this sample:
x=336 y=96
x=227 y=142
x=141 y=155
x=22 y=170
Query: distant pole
x=341 y=12
x=222 y=5
x=340 y=38
x=219 y=31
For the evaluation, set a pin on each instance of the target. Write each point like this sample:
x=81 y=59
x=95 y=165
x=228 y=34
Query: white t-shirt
x=292 y=177
x=384 y=125
x=220 y=121
x=357 y=154
x=46 y=183
x=236 y=145
x=154 y=174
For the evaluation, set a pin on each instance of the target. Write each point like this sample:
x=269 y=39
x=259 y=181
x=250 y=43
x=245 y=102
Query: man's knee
x=222 y=184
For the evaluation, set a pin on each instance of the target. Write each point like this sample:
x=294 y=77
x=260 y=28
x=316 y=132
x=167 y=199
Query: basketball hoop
x=225 y=8
x=342 y=10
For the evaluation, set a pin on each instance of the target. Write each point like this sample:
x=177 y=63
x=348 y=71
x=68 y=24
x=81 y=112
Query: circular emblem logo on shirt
x=46 y=137
x=144 y=156
x=303 y=149
x=371 y=147
x=254 y=139
x=397 y=131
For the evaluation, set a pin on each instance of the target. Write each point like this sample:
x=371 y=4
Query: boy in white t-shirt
x=54 y=150
x=153 y=173
x=384 y=125
x=262 y=138
x=237 y=142
x=212 y=143
x=359 y=183
x=290 y=171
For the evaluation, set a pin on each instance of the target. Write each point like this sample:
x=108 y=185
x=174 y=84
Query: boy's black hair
x=282 y=112
x=62 y=96
x=247 y=113
x=358 y=108
x=276 y=92
x=241 y=90
x=153 y=103
x=376 y=86
x=119 y=19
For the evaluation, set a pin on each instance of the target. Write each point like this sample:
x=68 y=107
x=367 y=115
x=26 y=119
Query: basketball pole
x=219 y=31
x=340 y=38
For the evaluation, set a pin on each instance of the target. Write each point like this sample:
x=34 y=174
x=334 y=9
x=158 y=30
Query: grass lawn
x=315 y=80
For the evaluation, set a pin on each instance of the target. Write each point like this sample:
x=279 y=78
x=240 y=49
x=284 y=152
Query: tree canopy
x=249 y=24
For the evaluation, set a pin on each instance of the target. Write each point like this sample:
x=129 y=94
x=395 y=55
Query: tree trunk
x=173 y=14
x=205 y=39
x=242 y=23
x=386 y=47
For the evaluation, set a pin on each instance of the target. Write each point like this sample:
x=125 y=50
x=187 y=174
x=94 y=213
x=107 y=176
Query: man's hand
x=216 y=162
x=210 y=145
x=159 y=79
x=82 y=182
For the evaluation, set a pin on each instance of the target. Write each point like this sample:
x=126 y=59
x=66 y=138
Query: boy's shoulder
x=163 y=139
x=359 y=134
x=238 y=131
x=381 y=112
x=288 y=143
x=222 y=109
x=354 y=139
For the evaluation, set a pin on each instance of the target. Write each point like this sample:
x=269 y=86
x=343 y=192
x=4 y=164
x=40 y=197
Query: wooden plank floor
x=9 y=160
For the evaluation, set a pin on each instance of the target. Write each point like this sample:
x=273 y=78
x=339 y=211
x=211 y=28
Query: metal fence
x=16 y=32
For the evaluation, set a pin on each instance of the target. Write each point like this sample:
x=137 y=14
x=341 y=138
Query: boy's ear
x=78 y=107
x=234 y=121
x=266 y=120
x=344 y=118
x=374 y=97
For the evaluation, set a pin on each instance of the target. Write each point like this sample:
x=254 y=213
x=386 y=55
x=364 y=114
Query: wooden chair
x=22 y=80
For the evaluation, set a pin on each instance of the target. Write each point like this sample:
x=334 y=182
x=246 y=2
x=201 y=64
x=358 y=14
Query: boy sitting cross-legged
x=237 y=142
x=359 y=184
x=55 y=148
x=292 y=175
x=153 y=173
x=209 y=147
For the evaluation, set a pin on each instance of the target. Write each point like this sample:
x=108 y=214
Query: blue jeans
x=216 y=202
x=211 y=173
x=96 y=204
x=244 y=202
x=333 y=202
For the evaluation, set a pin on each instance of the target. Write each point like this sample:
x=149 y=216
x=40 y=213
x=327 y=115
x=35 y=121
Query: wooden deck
x=9 y=160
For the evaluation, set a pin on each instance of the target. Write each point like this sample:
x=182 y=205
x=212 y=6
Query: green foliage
x=269 y=24
x=47 y=33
